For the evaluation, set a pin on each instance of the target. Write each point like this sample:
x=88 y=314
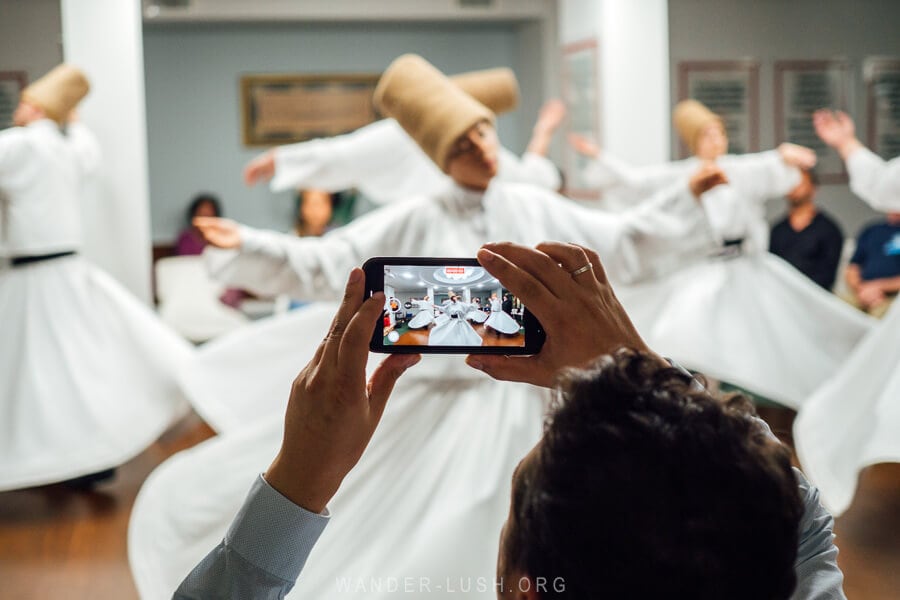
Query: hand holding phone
x=447 y=306
x=566 y=288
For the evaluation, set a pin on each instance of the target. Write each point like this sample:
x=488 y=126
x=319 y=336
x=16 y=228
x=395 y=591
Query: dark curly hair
x=646 y=486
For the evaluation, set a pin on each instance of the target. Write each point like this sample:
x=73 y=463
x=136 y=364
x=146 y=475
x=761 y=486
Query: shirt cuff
x=273 y=533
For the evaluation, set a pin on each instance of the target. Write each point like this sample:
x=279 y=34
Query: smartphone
x=447 y=306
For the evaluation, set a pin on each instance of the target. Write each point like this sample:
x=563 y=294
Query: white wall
x=633 y=73
x=103 y=37
x=193 y=105
x=770 y=30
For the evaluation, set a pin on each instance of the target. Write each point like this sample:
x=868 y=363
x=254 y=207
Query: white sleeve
x=762 y=175
x=608 y=172
x=314 y=268
x=530 y=168
x=11 y=155
x=340 y=162
x=86 y=146
x=629 y=243
x=875 y=180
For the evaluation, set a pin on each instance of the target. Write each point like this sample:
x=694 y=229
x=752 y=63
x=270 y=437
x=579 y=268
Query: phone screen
x=452 y=306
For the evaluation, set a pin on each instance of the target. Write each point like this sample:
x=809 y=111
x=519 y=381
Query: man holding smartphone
x=643 y=485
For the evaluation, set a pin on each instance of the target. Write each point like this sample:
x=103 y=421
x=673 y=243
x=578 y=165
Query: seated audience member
x=190 y=240
x=643 y=486
x=807 y=237
x=315 y=210
x=873 y=274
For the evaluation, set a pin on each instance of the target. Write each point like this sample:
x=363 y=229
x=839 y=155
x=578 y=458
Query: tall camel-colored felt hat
x=498 y=88
x=429 y=107
x=690 y=117
x=58 y=92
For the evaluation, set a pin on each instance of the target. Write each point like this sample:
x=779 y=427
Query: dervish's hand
x=797 y=156
x=708 y=176
x=219 y=232
x=261 y=168
x=583 y=146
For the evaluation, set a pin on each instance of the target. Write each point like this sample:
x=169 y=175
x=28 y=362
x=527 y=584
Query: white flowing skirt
x=477 y=316
x=853 y=420
x=753 y=321
x=502 y=322
x=454 y=332
x=427 y=500
x=87 y=373
x=246 y=375
x=423 y=319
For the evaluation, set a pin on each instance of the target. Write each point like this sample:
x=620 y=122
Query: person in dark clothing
x=807 y=237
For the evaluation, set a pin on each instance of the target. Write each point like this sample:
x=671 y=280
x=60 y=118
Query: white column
x=104 y=38
x=633 y=78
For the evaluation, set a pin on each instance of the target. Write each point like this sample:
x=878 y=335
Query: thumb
x=526 y=369
x=385 y=376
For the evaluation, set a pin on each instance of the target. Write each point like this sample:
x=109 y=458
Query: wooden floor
x=58 y=543
x=489 y=337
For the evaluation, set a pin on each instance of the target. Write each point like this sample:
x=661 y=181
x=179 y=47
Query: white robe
x=386 y=165
x=750 y=319
x=86 y=370
x=455 y=331
x=424 y=315
x=500 y=321
x=476 y=315
x=875 y=180
x=757 y=178
x=853 y=420
x=435 y=478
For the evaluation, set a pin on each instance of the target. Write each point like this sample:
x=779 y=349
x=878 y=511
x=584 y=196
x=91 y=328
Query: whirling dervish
x=386 y=165
x=498 y=320
x=87 y=372
x=424 y=314
x=852 y=421
x=455 y=331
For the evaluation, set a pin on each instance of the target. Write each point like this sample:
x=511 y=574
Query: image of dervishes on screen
x=449 y=305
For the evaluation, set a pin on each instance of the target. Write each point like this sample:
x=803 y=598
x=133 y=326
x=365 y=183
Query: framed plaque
x=731 y=90
x=801 y=88
x=581 y=95
x=882 y=76
x=11 y=84
x=282 y=109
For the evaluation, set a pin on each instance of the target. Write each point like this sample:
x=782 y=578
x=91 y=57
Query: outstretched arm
x=871 y=178
x=549 y=119
x=270 y=263
x=608 y=172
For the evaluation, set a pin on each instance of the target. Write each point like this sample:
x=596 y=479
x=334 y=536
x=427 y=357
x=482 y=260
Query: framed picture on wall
x=286 y=108
x=801 y=88
x=11 y=84
x=882 y=76
x=731 y=90
x=581 y=95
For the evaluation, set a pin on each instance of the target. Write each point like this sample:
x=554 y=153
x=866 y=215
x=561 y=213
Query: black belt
x=730 y=248
x=18 y=261
x=455 y=317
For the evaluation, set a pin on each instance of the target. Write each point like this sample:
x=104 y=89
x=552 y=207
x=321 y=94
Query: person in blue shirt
x=873 y=274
